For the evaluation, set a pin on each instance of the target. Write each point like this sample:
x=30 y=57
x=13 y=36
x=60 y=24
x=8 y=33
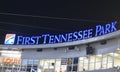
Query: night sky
x=54 y=17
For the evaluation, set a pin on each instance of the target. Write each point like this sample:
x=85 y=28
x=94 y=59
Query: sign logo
x=9 y=39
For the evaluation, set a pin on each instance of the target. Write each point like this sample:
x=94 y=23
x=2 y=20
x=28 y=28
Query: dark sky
x=94 y=12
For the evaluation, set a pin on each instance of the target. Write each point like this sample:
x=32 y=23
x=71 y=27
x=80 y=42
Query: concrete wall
x=80 y=50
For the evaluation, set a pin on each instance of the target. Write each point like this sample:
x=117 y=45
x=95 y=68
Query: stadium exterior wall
x=113 y=42
x=79 y=51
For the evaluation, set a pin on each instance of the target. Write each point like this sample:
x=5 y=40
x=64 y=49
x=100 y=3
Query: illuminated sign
x=9 y=39
x=68 y=37
x=10 y=60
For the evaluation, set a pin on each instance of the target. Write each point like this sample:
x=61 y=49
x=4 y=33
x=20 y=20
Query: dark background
x=55 y=16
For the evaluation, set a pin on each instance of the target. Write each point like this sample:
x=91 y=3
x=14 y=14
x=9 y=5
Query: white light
x=13 y=66
x=81 y=58
x=6 y=51
x=118 y=48
x=99 y=55
x=11 y=55
x=115 y=54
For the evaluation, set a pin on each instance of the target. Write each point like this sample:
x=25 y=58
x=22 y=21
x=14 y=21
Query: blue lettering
x=45 y=38
x=35 y=39
x=27 y=40
x=32 y=40
x=107 y=30
x=85 y=34
x=38 y=37
x=19 y=39
x=80 y=35
x=102 y=30
x=98 y=29
x=70 y=37
x=23 y=40
x=113 y=28
x=51 y=39
x=63 y=38
x=90 y=33
x=57 y=39
x=75 y=35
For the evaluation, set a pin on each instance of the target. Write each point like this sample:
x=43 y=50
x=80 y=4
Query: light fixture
x=10 y=52
x=115 y=54
x=118 y=48
x=11 y=55
x=100 y=55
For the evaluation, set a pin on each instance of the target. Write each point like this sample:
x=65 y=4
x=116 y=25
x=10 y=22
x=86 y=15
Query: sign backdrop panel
x=97 y=30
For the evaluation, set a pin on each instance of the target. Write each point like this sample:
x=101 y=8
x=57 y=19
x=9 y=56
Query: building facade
x=93 y=52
